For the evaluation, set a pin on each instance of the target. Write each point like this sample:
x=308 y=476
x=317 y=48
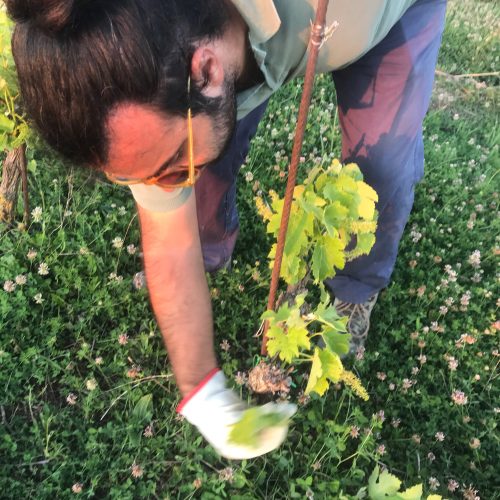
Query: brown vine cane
x=316 y=39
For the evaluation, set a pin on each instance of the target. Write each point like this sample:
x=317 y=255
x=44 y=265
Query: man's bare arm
x=178 y=290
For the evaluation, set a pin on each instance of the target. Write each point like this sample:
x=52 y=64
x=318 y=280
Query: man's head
x=105 y=81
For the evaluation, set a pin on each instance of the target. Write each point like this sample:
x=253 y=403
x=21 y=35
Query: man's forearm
x=179 y=294
x=181 y=302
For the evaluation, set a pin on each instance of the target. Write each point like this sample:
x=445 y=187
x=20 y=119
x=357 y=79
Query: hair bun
x=48 y=15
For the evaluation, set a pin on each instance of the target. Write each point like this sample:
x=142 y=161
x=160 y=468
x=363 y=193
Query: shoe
x=359 y=321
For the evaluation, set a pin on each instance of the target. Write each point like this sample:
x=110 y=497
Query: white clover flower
x=452 y=363
x=131 y=249
x=249 y=177
x=137 y=470
x=477 y=278
x=117 y=242
x=475 y=443
x=71 y=398
x=31 y=254
x=226 y=474
x=475 y=259
x=9 y=286
x=36 y=213
x=459 y=398
x=440 y=436
x=407 y=383
x=433 y=483
x=225 y=345
x=123 y=339
x=43 y=269
x=395 y=422
x=38 y=298
x=465 y=299
x=91 y=384
x=77 y=488
x=21 y=279
x=415 y=236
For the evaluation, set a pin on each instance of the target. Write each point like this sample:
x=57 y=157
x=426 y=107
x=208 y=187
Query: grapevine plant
x=332 y=221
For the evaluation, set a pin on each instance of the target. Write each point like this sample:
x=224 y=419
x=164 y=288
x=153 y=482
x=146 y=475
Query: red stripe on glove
x=200 y=386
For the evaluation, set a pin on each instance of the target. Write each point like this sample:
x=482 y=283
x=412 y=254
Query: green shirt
x=279 y=33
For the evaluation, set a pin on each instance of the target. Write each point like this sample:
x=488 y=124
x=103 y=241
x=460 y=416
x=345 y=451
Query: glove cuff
x=197 y=389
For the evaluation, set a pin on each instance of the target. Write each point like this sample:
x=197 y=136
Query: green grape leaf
x=368 y=197
x=326 y=366
x=299 y=301
x=385 y=486
x=327 y=314
x=312 y=203
x=366 y=191
x=336 y=342
x=286 y=313
x=299 y=227
x=6 y=124
x=273 y=226
x=282 y=314
x=336 y=166
x=365 y=242
x=353 y=171
x=316 y=382
x=382 y=486
x=247 y=431
x=327 y=255
x=287 y=341
x=347 y=183
x=334 y=216
x=413 y=493
x=331 y=192
x=366 y=209
x=322 y=181
x=293 y=268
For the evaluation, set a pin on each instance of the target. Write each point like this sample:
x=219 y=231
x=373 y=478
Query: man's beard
x=223 y=115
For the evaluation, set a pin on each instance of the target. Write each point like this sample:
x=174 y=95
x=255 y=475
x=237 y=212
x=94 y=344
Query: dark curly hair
x=78 y=59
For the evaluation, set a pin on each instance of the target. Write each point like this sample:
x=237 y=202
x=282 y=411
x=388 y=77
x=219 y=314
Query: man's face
x=145 y=142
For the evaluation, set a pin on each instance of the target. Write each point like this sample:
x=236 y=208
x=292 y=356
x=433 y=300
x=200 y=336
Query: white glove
x=213 y=409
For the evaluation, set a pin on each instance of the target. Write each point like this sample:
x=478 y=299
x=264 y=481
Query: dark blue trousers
x=382 y=99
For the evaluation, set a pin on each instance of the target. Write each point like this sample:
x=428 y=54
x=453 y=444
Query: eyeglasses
x=172 y=177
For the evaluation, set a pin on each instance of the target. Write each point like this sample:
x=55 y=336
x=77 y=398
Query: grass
x=75 y=406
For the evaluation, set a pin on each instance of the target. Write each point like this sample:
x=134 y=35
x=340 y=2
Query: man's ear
x=207 y=71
